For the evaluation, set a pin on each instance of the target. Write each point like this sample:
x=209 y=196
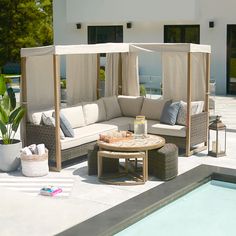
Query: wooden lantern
x=217 y=138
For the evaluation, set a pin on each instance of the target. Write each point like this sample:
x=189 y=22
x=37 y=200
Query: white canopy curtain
x=112 y=74
x=122 y=67
x=39 y=74
x=175 y=76
x=198 y=76
x=81 y=73
x=130 y=76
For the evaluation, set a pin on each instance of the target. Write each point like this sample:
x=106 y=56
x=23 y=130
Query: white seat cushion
x=154 y=127
x=152 y=108
x=112 y=107
x=86 y=134
x=130 y=105
x=74 y=115
x=123 y=123
x=94 y=111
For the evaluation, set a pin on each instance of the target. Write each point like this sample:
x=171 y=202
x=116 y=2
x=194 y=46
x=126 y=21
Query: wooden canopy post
x=23 y=99
x=120 y=85
x=57 y=100
x=189 y=96
x=207 y=91
x=98 y=75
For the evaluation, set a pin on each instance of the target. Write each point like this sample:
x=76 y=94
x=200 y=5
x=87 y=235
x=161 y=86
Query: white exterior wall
x=222 y=13
x=148 y=19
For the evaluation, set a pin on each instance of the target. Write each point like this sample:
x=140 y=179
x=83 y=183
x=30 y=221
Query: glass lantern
x=217 y=138
x=140 y=127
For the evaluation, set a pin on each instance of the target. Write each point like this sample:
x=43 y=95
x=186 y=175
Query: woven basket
x=34 y=165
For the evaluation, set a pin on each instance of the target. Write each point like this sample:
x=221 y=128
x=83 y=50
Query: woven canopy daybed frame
x=188 y=61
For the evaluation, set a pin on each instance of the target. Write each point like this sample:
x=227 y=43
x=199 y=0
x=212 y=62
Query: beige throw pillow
x=130 y=105
x=152 y=108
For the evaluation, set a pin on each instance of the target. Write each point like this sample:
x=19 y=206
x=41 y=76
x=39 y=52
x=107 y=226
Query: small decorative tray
x=116 y=136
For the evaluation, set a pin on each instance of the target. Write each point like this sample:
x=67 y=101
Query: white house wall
x=148 y=19
x=113 y=10
x=222 y=13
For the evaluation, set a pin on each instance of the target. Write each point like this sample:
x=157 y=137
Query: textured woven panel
x=46 y=134
x=163 y=163
x=109 y=165
x=42 y=134
x=199 y=128
x=198 y=133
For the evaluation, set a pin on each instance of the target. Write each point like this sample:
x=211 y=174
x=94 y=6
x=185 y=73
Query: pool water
x=208 y=210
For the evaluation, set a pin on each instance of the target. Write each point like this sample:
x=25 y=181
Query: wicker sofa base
x=46 y=134
x=198 y=133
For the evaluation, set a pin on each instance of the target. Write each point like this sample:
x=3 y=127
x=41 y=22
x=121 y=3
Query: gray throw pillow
x=181 y=118
x=65 y=126
x=170 y=112
x=50 y=121
x=47 y=120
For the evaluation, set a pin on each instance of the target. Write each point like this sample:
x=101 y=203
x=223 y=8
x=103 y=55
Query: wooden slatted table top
x=143 y=144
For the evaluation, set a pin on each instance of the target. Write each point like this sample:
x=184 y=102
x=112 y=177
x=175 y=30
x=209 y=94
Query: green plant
x=2 y=85
x=102 y=74
x=10 y=114
x=63 y=84
x=143 y=91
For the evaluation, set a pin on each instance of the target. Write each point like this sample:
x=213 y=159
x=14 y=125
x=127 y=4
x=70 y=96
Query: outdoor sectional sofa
x=89 y=119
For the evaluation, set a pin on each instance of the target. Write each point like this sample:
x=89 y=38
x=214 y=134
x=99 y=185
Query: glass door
x=231 y=59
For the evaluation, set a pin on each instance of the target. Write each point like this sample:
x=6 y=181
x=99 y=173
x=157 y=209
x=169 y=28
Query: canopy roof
x=113 y=48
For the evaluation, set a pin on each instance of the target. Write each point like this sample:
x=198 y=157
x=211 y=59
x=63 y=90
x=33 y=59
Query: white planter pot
x=10 y=156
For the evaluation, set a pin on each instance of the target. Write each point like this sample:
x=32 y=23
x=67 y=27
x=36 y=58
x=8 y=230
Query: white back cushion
x=152 y=108
x=74 y=115
x=94 y=111
x=112 y=107
x=130 y=105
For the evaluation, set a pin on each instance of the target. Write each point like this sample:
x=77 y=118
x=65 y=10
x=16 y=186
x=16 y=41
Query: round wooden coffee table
x=131 y=148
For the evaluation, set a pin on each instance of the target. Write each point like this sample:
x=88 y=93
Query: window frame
x=183 y=32
x=95 y=28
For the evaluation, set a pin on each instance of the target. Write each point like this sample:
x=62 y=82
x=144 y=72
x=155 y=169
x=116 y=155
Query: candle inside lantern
x=214 y=147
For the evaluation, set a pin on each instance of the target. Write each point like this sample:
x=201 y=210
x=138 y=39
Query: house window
x=105 y=34
x=182 y=34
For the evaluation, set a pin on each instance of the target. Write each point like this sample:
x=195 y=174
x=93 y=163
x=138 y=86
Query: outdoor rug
x=32 y=186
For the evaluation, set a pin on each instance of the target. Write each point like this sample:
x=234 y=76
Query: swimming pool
x=208 y=201
x=208 y=210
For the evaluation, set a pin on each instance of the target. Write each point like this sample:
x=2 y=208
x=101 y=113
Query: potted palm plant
x=10 y=118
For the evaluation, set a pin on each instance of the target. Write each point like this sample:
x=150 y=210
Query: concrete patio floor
x=24 y=212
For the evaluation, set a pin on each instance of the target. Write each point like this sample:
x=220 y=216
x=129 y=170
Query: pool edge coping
x=121 y=216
